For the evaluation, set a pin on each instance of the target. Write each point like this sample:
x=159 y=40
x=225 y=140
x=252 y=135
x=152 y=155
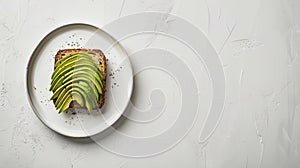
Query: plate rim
x=31 y=60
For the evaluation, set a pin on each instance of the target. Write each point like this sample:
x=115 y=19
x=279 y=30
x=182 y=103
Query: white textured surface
x=258 y=45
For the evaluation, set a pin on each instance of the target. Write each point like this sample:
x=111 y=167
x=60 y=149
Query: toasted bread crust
x=100 y=58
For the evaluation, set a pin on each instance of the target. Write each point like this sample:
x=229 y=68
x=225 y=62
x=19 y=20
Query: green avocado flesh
x=76 y=78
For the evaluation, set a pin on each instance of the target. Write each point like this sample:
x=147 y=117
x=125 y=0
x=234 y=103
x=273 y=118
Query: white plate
x=119 y=80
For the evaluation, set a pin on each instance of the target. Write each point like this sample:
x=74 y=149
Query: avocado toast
x=78 y=79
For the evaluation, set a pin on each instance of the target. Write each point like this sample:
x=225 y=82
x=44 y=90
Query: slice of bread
x=99 y=58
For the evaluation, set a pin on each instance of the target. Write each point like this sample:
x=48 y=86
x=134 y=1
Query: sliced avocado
x=92 y=73
x=62 y=86
x=65 y=104
x=62 y=96
x=76 y=77
x=66 y=56
x=86 y=96
x=89 y=69
x=73 y=58
x=59 y=89
x=72 y=90
x=88 y=105
x=64 y=59
x=56 y=84
x=75 y=80
x=70 y=56
x=76 y=64
x=90 y=92
x=88 y=77
x=89 y=96
x=72 y=64
x=71 y=68
x=76 y=96
x=88 y=81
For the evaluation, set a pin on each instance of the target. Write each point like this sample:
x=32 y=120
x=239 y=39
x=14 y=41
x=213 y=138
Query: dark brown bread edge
x=102 y=61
